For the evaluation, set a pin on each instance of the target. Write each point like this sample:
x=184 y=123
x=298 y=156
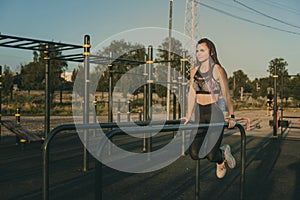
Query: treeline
x=32 y=75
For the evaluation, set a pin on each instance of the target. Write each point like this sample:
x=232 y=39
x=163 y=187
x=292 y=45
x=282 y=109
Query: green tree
x=7 y=81
x=264 y=84
x=277 y=66
x=33 y=73
x=239 y=80
x=161 y=74
x=294 y=86
x=176 y=52
x=125 y=56
x=162 y=69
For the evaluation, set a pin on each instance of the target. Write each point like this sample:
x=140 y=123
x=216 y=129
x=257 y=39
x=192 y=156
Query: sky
x=248 y=34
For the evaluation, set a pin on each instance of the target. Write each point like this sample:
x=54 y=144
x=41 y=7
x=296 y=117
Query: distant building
x=67 y=76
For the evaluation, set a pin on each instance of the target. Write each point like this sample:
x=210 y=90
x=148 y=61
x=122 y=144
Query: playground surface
x=272 y=169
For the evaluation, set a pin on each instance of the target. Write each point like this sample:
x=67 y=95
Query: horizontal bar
x=294 y=117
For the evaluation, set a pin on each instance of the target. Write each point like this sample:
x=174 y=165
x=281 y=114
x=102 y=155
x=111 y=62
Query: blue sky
x=240 y=44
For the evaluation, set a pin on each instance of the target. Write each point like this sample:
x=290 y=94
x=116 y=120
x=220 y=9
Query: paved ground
x=272 y=170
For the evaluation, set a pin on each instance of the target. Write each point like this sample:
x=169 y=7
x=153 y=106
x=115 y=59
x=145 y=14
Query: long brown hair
x=212 y=49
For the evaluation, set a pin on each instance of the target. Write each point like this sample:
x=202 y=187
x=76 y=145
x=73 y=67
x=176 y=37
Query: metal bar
x=197 y=181
x=25 y=44
x=110 y=134
x=149 y=81
x=25 y=48
x=38 y=41
x=98 y=180
x=1 y=102
x=47 y=90
x=9 y=42
x=66 y=127
x=128 y=112
x=275 y=76
x=293 y=117
x=110 y=90
x=86 y=54
x=189 y=127
x=243 y=160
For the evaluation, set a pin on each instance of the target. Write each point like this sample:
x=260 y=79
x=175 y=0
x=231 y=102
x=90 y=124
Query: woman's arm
x=222 y=78
x=191 y=98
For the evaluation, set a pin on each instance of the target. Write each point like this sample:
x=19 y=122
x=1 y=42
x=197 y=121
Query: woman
x=209 y=81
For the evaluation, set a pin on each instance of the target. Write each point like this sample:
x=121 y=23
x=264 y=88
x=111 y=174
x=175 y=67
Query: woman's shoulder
x=193 y=70
x=219 y=72
x=219 y=69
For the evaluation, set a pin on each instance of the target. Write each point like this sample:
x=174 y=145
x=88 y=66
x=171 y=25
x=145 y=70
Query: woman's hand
x=231 y=123
x=186 y=120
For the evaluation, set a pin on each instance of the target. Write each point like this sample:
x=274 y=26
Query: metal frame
x=172 y=125
x=85 y=57
x=41 y=45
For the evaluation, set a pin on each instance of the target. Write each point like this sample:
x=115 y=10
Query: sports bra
x=204 y=83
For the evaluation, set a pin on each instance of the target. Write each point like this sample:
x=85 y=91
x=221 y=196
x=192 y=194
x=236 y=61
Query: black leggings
x=206 y=143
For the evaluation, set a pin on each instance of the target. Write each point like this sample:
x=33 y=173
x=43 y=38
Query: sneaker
x=220 y=170
x=229 y=159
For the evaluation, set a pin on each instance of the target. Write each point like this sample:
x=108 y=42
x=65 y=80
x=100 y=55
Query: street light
x=275 y=76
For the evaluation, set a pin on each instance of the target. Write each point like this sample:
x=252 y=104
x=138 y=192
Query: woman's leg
x=216 y=154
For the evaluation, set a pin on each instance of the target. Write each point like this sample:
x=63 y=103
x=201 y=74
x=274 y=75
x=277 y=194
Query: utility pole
x=169 y=58
x=275 y=76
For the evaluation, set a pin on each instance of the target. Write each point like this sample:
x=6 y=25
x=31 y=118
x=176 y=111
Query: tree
x=126 y=56
x=161 y=70
x=277 y=66
x=7 y=81
x=264 y=84
x=239 y=80
x=295 y=87
x=33 y=73
x=161 y=74
x=176 y=52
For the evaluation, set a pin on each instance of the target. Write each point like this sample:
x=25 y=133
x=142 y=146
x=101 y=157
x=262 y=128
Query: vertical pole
x=0 y=102
x=95 y=108
x=140 y=115
x=180 y=90
x=182 y=97
x=18 y=116
x=18 y=122
x=95 y=113
x=145 y=111
x=86 y=54
x=281 y=103
x=98 y=181
x=149 y=81
x=119 y=112
x=110 y=89
x=174 y=87
x=110 y=96
x=275 y=76
x=47 y=90
x=184 y=84
x=243 y=161
x=169 y=58
x=174 y=98
x=197 y=181
x=128 y=112
x=46 y=172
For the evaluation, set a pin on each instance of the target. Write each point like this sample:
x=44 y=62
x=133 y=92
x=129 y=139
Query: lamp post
x=275 y=76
